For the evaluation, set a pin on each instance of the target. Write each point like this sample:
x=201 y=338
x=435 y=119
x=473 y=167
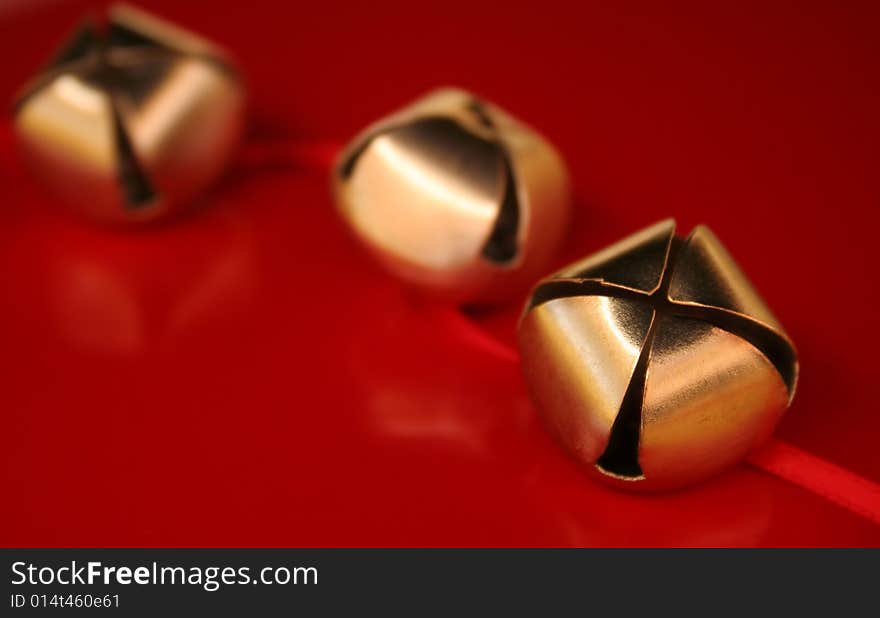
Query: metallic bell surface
x=654 y=362
x=455 y=197
x=131 y=119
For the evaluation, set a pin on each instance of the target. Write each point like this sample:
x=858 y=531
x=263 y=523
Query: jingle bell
x=654 y=362
x=454 y=196
x=129 y=122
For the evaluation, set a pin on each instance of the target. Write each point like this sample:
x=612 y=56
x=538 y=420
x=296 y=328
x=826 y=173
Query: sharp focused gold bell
x=655 y=362
x=454 y=196
x=129 y=122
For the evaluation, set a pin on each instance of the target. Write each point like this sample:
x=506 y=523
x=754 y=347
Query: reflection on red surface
x=415 y=399
x=246 y=376
x=107 y=306
x=732 y=511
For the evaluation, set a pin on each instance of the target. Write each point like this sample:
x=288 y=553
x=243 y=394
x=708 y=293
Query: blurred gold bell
x=131 y=121
x=655 y=362
x=454 y=196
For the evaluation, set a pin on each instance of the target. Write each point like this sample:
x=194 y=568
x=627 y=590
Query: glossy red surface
x=245 y=376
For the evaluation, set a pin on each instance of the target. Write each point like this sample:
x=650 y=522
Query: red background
x=246 y=376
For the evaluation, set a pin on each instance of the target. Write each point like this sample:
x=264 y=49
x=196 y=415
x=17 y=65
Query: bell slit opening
x=621 y=456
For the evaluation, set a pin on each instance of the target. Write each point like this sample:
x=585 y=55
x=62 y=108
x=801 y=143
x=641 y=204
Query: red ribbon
x=781 y=459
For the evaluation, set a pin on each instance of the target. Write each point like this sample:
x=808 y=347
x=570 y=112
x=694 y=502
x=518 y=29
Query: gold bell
x=129 y=122
x=454 y=196
x=655 y=362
